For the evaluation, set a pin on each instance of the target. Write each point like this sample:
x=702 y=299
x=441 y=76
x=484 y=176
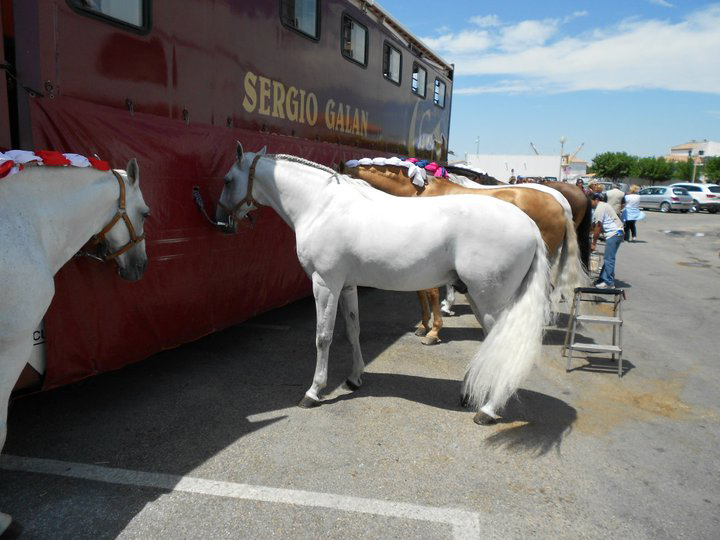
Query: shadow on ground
x=544 y=421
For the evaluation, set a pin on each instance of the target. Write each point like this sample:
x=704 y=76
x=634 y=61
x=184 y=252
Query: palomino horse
x=350 y=235
x=550 y=211
x=46 y=215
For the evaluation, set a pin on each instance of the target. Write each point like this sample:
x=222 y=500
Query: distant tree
x=655 y=170
x=711 y=169
x=683 y=170
x=613 y=165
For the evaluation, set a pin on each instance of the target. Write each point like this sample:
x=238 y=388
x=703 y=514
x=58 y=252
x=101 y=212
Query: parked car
x=609 y=185
x=705 y=196
x=666 y=198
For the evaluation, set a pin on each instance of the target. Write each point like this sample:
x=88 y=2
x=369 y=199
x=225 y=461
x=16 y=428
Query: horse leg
x=432 y=337
x=449 y=301
x=14 y=353
x=423 y=327
x=326 y=304
x=349 y=309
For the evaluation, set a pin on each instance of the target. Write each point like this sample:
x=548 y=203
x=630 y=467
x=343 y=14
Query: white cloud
x=663 y=3
x=527 y=34
x=466 y=42
x=485 y=21
x=634 y=54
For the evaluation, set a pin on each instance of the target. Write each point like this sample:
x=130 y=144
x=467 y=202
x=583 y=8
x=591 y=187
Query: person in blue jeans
x=606 y=220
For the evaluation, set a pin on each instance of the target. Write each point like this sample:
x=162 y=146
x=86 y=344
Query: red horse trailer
x=175 y=83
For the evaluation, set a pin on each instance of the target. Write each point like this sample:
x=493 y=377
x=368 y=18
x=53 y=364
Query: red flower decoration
x=5 y=167
x=99 y=164
x=52 y=158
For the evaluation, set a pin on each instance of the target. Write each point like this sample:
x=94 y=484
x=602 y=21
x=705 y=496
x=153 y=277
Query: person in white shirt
x=606 y=220
x=632 y=212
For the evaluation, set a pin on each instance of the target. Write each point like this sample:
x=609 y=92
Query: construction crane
x=535 y=149
x=572 y=156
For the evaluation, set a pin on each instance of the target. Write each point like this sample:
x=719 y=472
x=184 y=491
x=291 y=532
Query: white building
x=694 y=149
x=503 y=167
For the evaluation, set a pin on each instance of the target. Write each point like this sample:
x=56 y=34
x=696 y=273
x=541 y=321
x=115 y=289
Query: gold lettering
x=330 y=114
x=291 y=104
x=364 y=123
x=340 y=122
x=302 y=106
x=356 y=123
x=250 y=99
x=311 y=111
x=346 y=126
x=264 y=96
x=278 y=100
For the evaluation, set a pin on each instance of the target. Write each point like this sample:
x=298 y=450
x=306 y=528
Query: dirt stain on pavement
x=606 y=405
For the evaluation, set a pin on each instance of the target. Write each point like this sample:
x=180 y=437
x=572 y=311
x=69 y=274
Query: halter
x=248 y=199
x=120 y=214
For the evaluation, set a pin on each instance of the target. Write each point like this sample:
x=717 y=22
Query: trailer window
x=133 y=13
x=392 y=63
x=354 y=40
x=439 y=93
x=301 y=15
x=419 y=80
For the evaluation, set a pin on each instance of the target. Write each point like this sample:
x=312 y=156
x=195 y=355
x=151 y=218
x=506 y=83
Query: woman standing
x=632 y=212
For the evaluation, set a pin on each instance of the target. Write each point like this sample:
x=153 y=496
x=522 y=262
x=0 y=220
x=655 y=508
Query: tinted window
x=419 y=80
x=439 y=93
x=392 y=63
x=354 y=40
x=301 y=15
x=693 y=188
x=680 y=191
x=714 y=189
x=645 y=191
x=126 y=12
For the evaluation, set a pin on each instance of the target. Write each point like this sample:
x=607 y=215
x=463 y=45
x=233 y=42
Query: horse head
x=126 y=244
x=236 y=199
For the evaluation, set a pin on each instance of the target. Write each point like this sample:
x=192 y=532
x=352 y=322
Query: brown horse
x=557 y=230
x=582 y=215
x=577 y=199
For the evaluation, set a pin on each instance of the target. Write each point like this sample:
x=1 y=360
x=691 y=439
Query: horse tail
x=510 y=348
x=583 y=235
x=571 y=273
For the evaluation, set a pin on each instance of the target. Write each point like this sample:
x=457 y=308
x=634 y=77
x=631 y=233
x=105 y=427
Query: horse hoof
x=305 y=403
x=12 y=532
x=351 y=385
x=447 y=312
x=430 y=340
x=482 y=419
x=420 y=331
x=464 y=401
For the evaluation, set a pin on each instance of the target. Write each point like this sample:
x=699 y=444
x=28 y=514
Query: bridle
x=120 y=214
x=248 y=199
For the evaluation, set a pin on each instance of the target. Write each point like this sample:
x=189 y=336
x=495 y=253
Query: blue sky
x=636 y=76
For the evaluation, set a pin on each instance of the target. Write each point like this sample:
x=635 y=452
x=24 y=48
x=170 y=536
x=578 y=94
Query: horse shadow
x=177 y=410
x=544 y=422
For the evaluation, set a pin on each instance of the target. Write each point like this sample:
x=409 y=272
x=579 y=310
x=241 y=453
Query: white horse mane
x=296 y=159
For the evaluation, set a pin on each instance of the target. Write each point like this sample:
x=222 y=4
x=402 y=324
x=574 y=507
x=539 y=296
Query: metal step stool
x=591 y=294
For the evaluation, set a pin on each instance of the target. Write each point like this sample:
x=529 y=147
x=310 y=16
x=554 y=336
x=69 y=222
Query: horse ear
x=239 y=151
x=263 y=151
x=133 y=171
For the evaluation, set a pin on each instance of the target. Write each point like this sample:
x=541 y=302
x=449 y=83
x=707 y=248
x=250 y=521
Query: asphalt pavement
x=206 y=441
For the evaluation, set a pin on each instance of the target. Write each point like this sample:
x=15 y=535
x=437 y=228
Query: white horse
x=565 y=282
x=349 y=235
x=46 y=215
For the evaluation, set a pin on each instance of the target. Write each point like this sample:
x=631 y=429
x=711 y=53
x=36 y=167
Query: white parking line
x=465 y=525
